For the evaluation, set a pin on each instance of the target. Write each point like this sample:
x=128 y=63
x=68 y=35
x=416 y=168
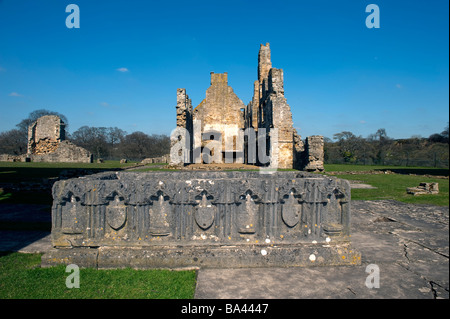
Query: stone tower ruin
x=47 y=142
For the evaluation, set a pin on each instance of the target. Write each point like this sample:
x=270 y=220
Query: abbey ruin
x=210 y=219
x=232 y=132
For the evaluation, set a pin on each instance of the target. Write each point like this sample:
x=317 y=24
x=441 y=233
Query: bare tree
x=33 y=116
x=13 y=142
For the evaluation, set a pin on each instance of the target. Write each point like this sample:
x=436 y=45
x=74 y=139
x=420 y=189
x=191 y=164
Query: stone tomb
x=201 y=219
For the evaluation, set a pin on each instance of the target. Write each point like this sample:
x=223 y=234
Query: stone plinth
x=201 y=219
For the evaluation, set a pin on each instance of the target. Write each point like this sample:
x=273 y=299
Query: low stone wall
x=162 y=159
x=13 y=158
x=201 y=219
x=66 y=152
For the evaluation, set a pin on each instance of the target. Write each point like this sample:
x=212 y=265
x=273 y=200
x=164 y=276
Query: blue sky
x=123 y=65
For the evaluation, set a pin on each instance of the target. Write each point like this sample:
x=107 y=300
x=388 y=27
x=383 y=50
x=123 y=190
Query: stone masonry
x=47 y=143
x=220 y=114
x=201 y=219
x=218 y=122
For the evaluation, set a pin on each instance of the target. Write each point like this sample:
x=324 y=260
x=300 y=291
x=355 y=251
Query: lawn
x=21 y=277
x=41 y=173
x=395 y=169
x=16 y=172
x=393 y=186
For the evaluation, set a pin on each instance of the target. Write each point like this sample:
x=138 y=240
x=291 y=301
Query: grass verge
x=16 y=172
x=22 y=278
x=393 y=186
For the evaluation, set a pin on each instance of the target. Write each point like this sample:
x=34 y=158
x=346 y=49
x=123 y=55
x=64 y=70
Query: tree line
x=380 y=149
x=115 y=143
x=345 y=147
x=102 y=142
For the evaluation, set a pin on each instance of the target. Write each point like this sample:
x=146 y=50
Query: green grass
x=393 y=186
x=21 y=277
x=26 y=173
x=4 y=196
x=16 y=172
x=395 y=169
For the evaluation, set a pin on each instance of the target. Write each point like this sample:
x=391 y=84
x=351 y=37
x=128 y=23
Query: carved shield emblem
x=159 y=225
x=205 y=213
x=247 y=217
x=72 y=223
x=291 y=211
x=116 y=213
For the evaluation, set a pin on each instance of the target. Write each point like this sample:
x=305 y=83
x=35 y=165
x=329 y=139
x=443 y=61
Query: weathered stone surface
x=220 y=113
x=14 y=158
x=424 y=189
x=205 y=219
x=160 y=159
x=66 y=152
x=46 y=143
x=44 y=134
x=313 y=156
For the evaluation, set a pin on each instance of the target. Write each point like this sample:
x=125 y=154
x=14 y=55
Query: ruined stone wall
x=66 y=152
x=184 y=109
x=221 y=112
x=264 y=64
x=161 y=159
x=299 y=149
x=276 y=114
x=184 y=122
x=13 y=158
x=45 y=134
x=313 y=155
x=46 y=143
x=273 y=111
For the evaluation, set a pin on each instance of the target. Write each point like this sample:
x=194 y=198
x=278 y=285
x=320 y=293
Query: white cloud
x=123 y=70
x=398 y=86
x=362 y=122
x=104 y=104
x=14 y=94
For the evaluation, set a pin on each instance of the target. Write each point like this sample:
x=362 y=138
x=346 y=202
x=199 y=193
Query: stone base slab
x=238 y=256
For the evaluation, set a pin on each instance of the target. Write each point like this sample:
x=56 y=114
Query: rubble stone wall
x=47 y=143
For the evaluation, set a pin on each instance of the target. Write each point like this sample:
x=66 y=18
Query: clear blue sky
x=339 y=75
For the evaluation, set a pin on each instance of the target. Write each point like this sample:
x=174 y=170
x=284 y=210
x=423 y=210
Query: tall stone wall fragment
x=47 y=143
x=221 y=115
x=314 y=153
